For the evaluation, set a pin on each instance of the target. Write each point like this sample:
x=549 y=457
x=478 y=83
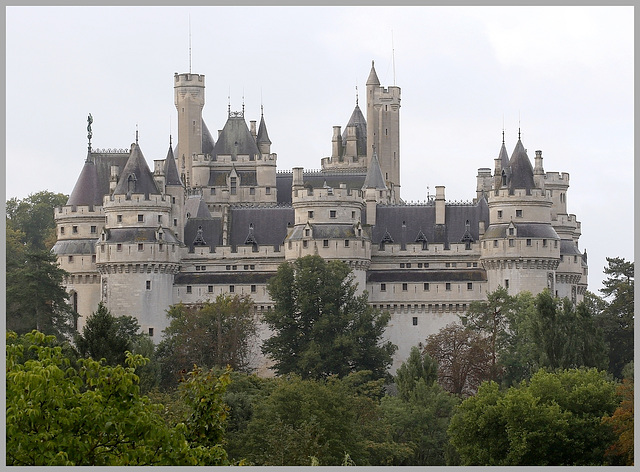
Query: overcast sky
x=563 y=75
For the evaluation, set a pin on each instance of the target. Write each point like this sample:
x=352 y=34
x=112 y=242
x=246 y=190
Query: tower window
x=426 y=286
x=415 y=321
x=306 y=232
x=94 y=230
x=234 y=184
x=325 y=243
x=150 y=331
x=499 y=213
x=119 y=218
x=518 y=213
x=119 y=247
x=188 y=288
x=495 y=243
x=140 y=218
x=210 y=288
x=353 y=215
x=252 y=191
x=346 y=243
x=512 y=242
x=544 y=243
x=159 y=218
x=267 y=191
x=447 y=286
x=310 y=214
x=511 y=231
x=93 y=258
x=528 y=242
x=61 y=229
x=232 y=288
x=175 y=222
x=70 y=259
x=253 y=289
x=469 y=285
x=140 y=247
x=404 y=287
x=383 y=287
x=332 y=213
x=148 y=284
x=74 y=229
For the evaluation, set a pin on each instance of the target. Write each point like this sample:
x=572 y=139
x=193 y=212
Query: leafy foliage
x=463 y=358
x=33 y=217
x=418 y=366
x=622 y=422
x=555 y=419
x=321 y=327
x=215 y=334
x=92 y=415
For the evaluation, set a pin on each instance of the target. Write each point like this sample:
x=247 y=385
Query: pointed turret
x=521 y=169
x=359 y=124
x=136 y=176
x=373 y=77
x=171 y=175
x=374 y=177
x=86 y=190
x=262 y=139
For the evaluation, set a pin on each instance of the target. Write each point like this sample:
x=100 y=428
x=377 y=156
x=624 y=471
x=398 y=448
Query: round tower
x=189 y=101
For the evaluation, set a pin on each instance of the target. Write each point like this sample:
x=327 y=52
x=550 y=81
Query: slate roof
x=138 y=235
x=325 y=231
x=523 y=230
x=357 y=119
x=374 y=177
x=521 y=170
x=284 y=181
x=235 y=139
x=270 y=224
x=172 y=177
x=406 y=224
x=87 y=188
x=569 y=248
x=211 y=232
x=207 y=140
x=195 y=207
x=263 y=136
x=75 y=246
x=231 y=278
x=136 y=176
x=373 y=77
x=427 y=275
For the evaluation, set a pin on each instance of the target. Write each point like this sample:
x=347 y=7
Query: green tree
x=418 y=366
x=554 y=419
x=321 y=327
x=36 y=298
x=33 y=216
x=108 y=337
x=214 y=334
x=91 y=415
x=617 y=316
x=463 y=358
x=622 y=421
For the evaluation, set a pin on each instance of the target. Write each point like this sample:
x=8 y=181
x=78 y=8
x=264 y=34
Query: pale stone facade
x=216 y=217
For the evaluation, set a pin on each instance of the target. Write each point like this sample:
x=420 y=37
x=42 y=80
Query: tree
x=36 y=298
x=463 y=358
x=616 y=317
x=491 y=318
x=108 y=337
x=622 y=422
x=90 y=415
x=418 y=366
x=554 y=419
x=213 y=334
x=320 y=326
x=33 y=216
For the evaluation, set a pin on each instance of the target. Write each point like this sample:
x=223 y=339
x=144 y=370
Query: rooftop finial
x=170 y=143
x=261 y=110
x=136 y=133
x=243 y=102
x=189 y=43
x=356 y=94
x=89 y=133
x=229 y=102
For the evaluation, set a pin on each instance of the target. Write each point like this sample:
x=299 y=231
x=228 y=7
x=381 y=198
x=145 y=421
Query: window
x=150 y=331
x=119 y=247
x=305 y=243
x=94 y=230
x=544 y=243
x=252 y=191
x=404 y=287
x=232 y=288
x=469 y=285
x=408 y=265
x=306 y=232
x=210 y=288
x=61 y=229
x=235 y=267
x=426 y=286
x=512 y=242
x=506 y=283
x=475 y=264
x=119 y=218
x=511 y=231
x=447 y=286
x=253 y=289
x=310 y=214
x=252 y=266
x=415 y=321
x=228 y=267
x=188 y=288
x=161 y=247
x=518 y=213
x=325 y=243
x=426 y=264
x=495 y=243
x=346 y=243
x=93 y=258
x=468 y=264
x=419 y=265
x=175 y=222
x=447 y=264
x=402 y=265
x=528 y=242
x=173 y=200
x=499 y=213
x=267 y=191
x=555 y=244
x=140 y=218
x=246 y=267
x=332 y=213
x=234 y=184
x=148 y=284
x=140 y=247
x=213 y=190
x=561 y=257
x=71 y=259
x=383 y=287
x=353 y=215
x=74 y=229
x=575 y=259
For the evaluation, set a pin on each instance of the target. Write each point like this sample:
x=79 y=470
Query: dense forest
x=520 y=380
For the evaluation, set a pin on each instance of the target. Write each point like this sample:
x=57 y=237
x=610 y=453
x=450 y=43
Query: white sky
x=564 y=75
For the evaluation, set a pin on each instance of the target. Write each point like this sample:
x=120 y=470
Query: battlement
x=327 y=195
x=557 y=177
x=137 y=201
x=243 y=252
x=77 y=210
x=188 y=79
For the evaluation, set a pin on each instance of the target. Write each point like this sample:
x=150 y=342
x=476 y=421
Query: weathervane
x=89 y=134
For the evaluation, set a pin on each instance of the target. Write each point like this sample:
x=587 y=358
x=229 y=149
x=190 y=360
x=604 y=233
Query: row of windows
x=74 y=229
x=512 y=242
x=426 y=286
x=332 y=214
x=141 y=219
x=427 y=307
x=232 y=288
x=234 y=188
x=70 y=259
x=325 y=243
x=518 y=213
x=420 y=265
x=140 y=247
x=235 y=267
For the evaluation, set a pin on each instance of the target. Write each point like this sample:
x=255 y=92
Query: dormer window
x=504 y=178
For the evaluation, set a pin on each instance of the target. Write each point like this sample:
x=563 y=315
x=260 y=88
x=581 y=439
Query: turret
x=189 y=101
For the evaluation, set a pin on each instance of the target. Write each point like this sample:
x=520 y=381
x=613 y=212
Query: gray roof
x=195 y=207
x=75 y=246
x=270 y=224
x=231 y=277
x=427 y=275
x=263 y=136
x=211 y=231
x=207 y=140
x=373 y=77
x=284 y=181
x=235 y=139
x=139 y=235
x=136 y=176
x=172 y=177
x=521 y=170
x=87 y=188
x=374 y=177
x=523 y=230
x=569 y=248
x=357 y=119
x=503 y=156
x=325 y=231
x=407 y=223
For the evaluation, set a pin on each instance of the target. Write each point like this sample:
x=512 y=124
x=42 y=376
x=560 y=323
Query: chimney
x=440 y=203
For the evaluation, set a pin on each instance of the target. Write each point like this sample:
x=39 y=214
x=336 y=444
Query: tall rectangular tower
x=189 y=100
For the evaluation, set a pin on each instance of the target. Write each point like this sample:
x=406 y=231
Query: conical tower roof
x=136 y=176
x=235 y=138
x=357 y=119
x=503 y=156
x=171 y=175
x=374 y=177
x=263 y=136
x=521 y=169
x=207 y=140
x=86 y=190
x=373 y=77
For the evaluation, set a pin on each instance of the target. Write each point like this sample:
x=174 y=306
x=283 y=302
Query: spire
x=171 y=175
x=263 y=136
x=521 y=169
x=356 y=95
x=86 y=190
x=374 y=177
x=373 y=77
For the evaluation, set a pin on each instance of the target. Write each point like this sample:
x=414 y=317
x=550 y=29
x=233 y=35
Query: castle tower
x=138 y=253
x=189 y=101
x=383 y=130
x=520 y=249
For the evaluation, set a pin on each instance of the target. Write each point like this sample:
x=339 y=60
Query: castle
x=216 y=216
